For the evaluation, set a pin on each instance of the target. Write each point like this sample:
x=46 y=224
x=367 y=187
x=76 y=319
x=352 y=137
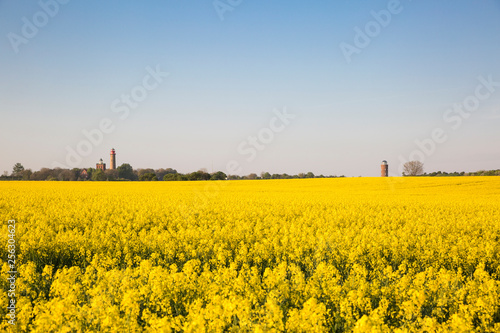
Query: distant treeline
x=126 y=172
x=458 y=174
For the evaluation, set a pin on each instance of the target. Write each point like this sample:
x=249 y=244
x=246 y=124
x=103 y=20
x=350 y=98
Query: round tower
x=112 y=158
x=385 y=169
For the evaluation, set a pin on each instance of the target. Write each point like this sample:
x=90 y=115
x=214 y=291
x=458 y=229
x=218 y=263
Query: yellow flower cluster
x=306 y=255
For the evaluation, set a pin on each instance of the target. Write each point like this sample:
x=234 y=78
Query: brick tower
x=101 y=165
x=385 y=169
x=112 y=159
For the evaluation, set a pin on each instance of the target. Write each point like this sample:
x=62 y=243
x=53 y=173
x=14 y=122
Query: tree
x=160 y=173
x=75 y=174
x=64 y=175
x=42 y=174
x=98 y=175
x=413 y=168
x=265 y=175
x=141 y=172
x=170 y=177
x=90 y=171
x=148 y=177
x=219 y=175
x=310 y=175
x=126 y=171
x=199 y=175
x=111 y=174
x=26 y=174
x=17 y=170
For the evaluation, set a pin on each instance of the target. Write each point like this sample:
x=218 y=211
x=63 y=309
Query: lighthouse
x=384 y=169
x=112 y=159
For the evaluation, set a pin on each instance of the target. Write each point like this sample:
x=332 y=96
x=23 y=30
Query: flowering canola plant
x=305 y=255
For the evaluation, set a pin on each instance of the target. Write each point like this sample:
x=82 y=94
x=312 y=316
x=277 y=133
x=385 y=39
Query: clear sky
x=363 y=80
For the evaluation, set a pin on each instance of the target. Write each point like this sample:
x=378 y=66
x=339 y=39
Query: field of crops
x=315 y=255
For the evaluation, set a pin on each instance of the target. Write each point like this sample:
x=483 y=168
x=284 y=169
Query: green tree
x=199 y=175
x=26 y=174
x=219 y=175
x=160 y=173
x=17 y=170
x=170 y=177
x=111 y=174
x=141 y=172
x=265 y=175
x=98 y=175
x=126 y=171
x=90 y=172
x=148 y=177
x=75 y=173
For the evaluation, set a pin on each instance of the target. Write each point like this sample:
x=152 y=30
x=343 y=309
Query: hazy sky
x=361 y=82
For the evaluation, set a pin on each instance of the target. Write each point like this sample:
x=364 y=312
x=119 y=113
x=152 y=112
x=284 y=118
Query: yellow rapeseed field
x=315 y=255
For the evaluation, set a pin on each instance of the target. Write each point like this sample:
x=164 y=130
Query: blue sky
x=226 y=78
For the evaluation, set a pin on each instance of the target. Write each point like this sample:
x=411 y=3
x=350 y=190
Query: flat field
x=312 y=255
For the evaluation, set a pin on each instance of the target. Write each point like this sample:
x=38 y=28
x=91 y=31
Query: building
x=112 y=159
x=384 y=169
x=101 y=165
